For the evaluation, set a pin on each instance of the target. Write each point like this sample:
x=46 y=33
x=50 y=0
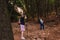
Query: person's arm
x=19 y=22
x=25 y=17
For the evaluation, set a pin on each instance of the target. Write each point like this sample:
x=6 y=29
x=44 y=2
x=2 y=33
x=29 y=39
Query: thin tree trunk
x=5 y=25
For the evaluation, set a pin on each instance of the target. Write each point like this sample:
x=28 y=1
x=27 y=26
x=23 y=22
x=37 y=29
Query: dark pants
x=42 y=26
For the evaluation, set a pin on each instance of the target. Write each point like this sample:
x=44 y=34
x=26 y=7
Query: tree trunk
x=5 y=25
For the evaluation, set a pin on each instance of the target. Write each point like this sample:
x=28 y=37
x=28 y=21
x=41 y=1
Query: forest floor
x=33 y=32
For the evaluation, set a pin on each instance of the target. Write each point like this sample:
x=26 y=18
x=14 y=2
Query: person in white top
x=41 y=22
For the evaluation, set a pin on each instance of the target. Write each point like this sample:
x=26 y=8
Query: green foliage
x=51 y=1
x=36 y=8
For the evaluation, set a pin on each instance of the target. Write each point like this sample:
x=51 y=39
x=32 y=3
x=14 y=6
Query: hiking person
x=22 y=25
x=41 y=22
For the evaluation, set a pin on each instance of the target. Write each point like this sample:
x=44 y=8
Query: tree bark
x=5 y=25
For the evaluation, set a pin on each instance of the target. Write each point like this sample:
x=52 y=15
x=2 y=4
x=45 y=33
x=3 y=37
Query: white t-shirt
x=41 y=20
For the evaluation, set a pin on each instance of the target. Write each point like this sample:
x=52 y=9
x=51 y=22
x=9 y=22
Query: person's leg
x=22 y=37
x=21 y=34
x=42 y=26
x=22 y=31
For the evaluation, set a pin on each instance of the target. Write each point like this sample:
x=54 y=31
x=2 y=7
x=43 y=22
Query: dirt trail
x=34 y=33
